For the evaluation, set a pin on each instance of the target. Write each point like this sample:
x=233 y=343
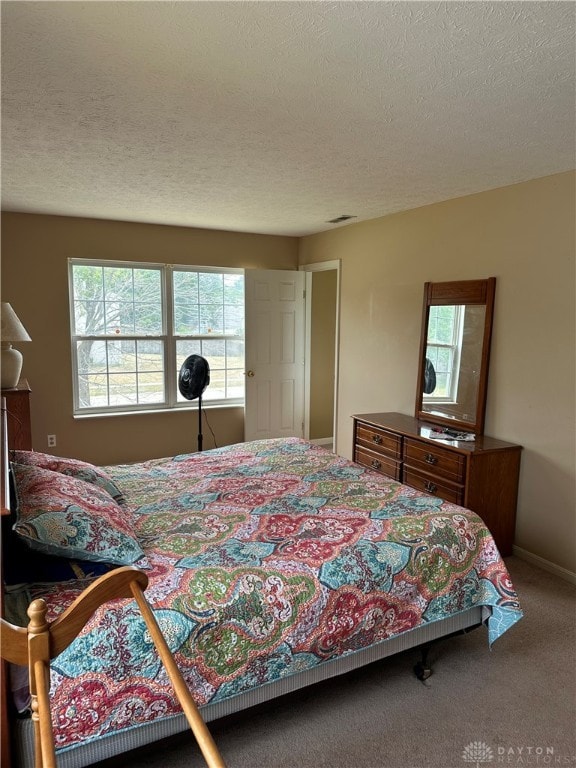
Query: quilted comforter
x=265 y=559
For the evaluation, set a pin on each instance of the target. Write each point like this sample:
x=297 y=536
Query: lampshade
x=11 y=330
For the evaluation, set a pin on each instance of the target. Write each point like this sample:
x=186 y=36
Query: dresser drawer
x=378 y=440
x=436 y=460
x=378 y=461
x=433 y=485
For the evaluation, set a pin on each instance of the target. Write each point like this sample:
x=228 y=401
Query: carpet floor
x=513 y=705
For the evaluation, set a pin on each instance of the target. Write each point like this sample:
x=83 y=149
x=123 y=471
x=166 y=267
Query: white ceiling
x=274 y=117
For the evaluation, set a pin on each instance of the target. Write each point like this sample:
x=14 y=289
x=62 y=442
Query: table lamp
x=11 y=360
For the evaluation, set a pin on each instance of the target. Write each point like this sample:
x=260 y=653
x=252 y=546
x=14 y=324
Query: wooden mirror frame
x=460 y=292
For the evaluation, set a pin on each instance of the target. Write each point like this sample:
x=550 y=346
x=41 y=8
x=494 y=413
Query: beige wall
x=524 y=235
x=322 y=353
x=35 y=250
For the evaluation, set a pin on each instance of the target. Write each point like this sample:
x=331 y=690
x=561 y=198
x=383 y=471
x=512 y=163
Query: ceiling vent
x=338 y=219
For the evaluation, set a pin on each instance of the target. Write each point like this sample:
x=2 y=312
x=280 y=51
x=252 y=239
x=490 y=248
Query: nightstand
x=18 y=416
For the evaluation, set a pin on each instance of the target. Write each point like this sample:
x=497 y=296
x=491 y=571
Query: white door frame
x=321 y=266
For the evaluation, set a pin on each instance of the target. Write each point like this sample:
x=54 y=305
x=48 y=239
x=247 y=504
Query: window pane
x=150 y=356
x=92 y=390
x=235 y=354
x=120 y=372
x=88 y=282
x=117 y=300
x=215 y=352
x=234 y=289
x=147 y=285
x=119 y=318
x=148 y=302
x=211 y=292
x=150 y=365
x=91 y=356
x=186 y=319
x=186 y=347
x=118 y=283
x=185 y=287
x=211 y=318
x=217 y=387
x=148 y=318
x=122 y=388
x=89 y=317
x=211 y=288
x=444 y=359
x=442 y=385
x=234 y=319
x=441 y=325
x=121 y=355
x=235 y=381
x=151 y=387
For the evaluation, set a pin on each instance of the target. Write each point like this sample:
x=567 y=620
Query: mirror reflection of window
x=444 y=345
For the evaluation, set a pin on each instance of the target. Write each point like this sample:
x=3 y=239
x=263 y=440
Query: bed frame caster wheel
x=422 y=672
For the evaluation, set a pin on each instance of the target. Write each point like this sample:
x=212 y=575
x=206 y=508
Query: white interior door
x=275 y=350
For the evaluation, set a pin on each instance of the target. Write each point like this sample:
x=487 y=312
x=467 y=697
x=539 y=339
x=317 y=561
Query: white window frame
x=168 y=339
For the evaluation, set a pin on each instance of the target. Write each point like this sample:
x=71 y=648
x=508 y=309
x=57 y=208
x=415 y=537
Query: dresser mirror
x=454 y=354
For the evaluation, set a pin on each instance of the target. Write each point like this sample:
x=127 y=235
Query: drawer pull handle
x=376 y=464
x=431 y=459
x=377 y=439
x=430 y=487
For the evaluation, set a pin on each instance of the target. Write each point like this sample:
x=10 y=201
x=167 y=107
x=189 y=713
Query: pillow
x=73 y=467
x=62 y=515
x=20 y=568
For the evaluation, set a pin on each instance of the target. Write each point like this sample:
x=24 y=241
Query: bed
x=272 y=565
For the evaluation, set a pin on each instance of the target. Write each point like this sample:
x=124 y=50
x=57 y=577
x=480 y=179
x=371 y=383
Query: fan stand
x=200 y=423
x=193 y=379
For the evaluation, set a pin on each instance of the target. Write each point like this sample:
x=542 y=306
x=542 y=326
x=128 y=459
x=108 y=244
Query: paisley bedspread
x=265 y=559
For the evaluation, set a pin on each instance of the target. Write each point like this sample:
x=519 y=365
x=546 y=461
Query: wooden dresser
x=481 y=475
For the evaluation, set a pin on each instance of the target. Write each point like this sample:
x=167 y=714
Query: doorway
x=321 y=369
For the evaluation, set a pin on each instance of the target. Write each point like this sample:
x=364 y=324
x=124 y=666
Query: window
x=133 y=325
x=443 y=350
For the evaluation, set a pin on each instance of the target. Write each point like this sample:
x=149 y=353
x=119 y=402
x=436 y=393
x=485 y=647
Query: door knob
x=250 y=373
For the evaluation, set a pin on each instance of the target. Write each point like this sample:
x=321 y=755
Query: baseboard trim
x=546 y=565
x=326 y=442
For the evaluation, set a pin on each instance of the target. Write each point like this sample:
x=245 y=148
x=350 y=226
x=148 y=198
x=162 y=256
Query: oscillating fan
x=193 y=379
x=429 y=377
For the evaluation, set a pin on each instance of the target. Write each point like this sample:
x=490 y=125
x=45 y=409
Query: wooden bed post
x=197 y=724
x=38 y=639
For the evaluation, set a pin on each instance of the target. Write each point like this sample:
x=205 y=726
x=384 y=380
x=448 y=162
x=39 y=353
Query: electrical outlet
x=51 y=441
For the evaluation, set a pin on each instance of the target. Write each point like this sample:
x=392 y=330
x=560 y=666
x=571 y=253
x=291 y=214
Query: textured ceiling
x=274 y=117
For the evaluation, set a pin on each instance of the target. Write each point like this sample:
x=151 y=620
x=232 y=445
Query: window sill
x=145 y=412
